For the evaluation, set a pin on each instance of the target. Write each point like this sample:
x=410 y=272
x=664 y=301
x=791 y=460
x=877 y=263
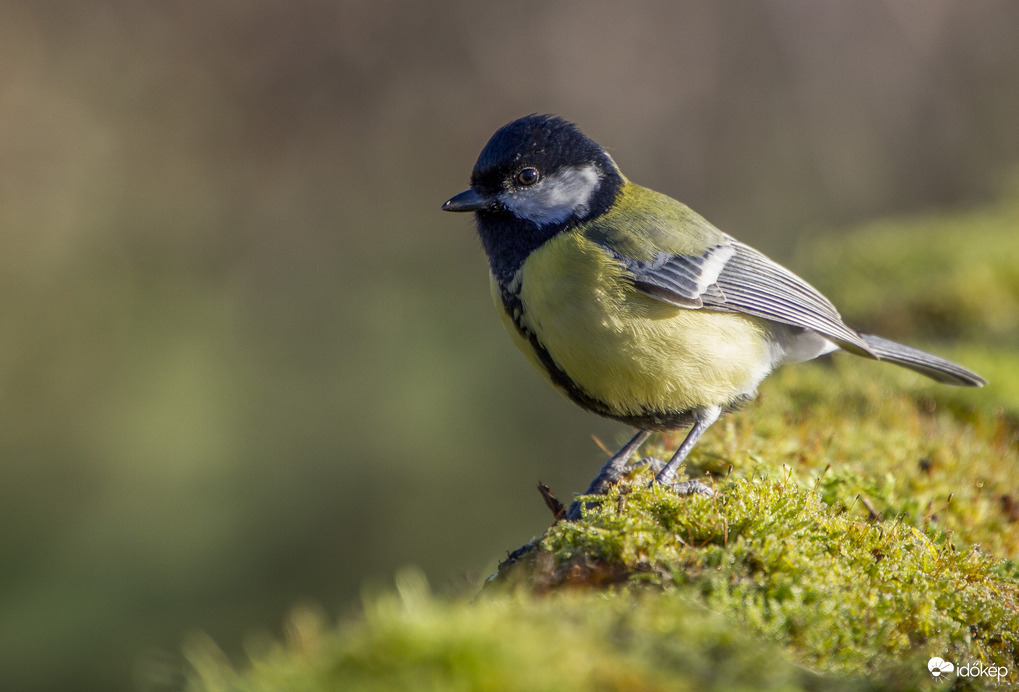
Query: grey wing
x=734 y=277
x=755 y=285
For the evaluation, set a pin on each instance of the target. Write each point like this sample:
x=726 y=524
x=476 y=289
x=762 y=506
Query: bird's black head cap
x=551 y=147
x=545 y=141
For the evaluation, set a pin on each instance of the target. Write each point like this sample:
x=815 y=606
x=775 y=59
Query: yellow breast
x=623 y=348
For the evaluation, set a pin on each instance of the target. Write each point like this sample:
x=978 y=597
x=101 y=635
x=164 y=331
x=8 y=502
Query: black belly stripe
x=647 y=419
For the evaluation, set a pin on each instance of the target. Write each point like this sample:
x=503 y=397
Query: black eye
x=528 y=176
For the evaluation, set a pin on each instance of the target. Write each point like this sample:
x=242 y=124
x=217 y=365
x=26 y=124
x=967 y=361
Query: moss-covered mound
x=412 y=640
x=865 y=521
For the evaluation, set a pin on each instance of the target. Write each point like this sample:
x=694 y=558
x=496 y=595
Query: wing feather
x=754 y=284
x=733 y=277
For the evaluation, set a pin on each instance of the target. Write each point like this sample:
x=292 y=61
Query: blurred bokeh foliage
x=243 y=356
x=955 y=275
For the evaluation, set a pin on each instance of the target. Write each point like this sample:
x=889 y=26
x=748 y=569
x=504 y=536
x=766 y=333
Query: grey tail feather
x=924 y=363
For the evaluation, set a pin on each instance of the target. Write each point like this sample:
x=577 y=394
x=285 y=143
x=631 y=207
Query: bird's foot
x=681 y=488
x=690 y=488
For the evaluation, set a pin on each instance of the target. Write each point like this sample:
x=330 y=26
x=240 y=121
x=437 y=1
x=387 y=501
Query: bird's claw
x=690 y=488
x=681 y=488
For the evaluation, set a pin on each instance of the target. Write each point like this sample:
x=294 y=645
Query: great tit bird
x=633 y=305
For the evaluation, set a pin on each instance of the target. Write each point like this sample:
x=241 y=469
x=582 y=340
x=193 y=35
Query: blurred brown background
x=244 y=356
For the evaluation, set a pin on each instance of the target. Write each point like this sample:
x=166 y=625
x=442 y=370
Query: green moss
x=412 y=640
x=840 y=593
x=914 y=451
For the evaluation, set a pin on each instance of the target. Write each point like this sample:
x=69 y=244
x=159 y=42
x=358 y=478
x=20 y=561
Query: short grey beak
x=468 y=200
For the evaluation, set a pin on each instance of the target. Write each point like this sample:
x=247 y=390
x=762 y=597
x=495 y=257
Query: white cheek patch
x=553 y=199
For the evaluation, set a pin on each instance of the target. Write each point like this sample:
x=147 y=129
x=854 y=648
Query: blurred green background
x=242 y=352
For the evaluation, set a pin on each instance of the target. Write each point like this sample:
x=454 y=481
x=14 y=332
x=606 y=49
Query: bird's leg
x=612 y=471
x=703 y=418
